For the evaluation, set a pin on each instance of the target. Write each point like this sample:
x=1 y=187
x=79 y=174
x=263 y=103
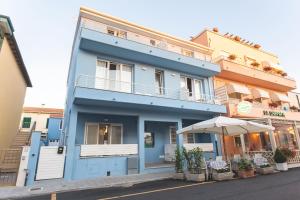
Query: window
x=116 y=32
x=237 y=141
x=187 y=52
x=152 y=42
x=189 y=138
x=172 y=135
x=186 y=86
x=235 y=95
x=47 y=123
x=96 y=133
x=191 y=88
x=149 y=140
x=113 y=76
x=26 y=122
x=159 y=82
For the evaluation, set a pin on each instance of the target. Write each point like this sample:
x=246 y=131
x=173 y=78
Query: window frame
x=170 y=133
x=110 y=131
x=27 y=122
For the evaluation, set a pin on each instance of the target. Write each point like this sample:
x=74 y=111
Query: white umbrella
x=225 y=126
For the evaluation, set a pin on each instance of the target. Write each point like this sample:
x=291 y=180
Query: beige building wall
x=12 y=93
x=222 y=45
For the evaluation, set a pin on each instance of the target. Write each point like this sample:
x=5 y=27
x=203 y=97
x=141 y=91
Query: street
x=284 y=185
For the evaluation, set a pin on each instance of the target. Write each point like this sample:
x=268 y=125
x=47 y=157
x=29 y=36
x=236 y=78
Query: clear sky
x=44 y=30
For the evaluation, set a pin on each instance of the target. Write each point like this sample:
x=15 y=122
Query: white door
x=50 y=164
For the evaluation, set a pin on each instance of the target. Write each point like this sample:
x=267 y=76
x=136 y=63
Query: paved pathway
x=47 y=187
x=284 y=185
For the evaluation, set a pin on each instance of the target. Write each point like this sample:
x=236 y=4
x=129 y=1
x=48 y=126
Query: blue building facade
x=129 y=90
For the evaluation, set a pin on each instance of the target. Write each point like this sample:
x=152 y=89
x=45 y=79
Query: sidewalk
x=60 y=185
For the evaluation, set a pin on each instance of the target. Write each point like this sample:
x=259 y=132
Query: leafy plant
x=223 y=170
x=264 y=166
x=279 y=156
x=178 y=160
x=288 y=153
x=245 y=164
x=232 y=57
x=194 y=159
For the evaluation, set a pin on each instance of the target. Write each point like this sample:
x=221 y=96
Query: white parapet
x=108 y=150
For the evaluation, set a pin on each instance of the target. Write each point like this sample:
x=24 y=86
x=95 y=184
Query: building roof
x=8 y=30
x=93 y=14
x=219 y=34
x=54 y=112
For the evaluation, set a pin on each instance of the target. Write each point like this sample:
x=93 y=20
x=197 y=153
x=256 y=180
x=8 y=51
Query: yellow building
x=255 y=87
x=14 y=80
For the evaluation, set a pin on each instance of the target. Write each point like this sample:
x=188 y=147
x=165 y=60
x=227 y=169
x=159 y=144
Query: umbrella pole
x=224 y=146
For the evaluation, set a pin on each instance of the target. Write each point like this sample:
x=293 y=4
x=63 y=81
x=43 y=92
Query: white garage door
x=50 y=164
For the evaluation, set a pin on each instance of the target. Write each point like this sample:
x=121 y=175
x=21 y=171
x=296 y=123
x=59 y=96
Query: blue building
x=129 y=89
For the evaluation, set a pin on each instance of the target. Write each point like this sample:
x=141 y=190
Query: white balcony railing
x=108 y=150
x=86 y=81
x=185 y=50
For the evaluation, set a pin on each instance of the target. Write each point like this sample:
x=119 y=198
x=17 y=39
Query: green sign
x=274 y=113
x=244 y=107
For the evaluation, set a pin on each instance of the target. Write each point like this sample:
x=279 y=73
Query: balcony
x=102 y=43
x=240 y=72
x=99 y=91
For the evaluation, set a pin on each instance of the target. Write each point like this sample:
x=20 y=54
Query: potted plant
x=267 y=68
x=294 y=108
x=195 y=164
x=221 y=172
x=284 y=74
x=232 y=57
x=273 y=105
x=245 y=168
x=264 y=168
x=255 y=64
x=257 y=46
x=215 y=29
x=237 y=38
x=280 y=160
x=178 y=164
x=249 y=100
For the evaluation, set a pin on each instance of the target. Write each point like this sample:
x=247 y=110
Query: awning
x=234 y=87
x=260 y=93
x=275 y=96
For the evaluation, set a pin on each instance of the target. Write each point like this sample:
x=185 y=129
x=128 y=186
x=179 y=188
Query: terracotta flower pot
x=246 y=173
x=195 y=177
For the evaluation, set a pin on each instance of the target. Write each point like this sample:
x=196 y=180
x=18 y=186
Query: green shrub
x=245 y=164
x=194 y=159
x=279 y=156
x=178 y=160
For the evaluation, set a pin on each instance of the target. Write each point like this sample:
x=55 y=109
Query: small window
x=237 y=141
x=159 y=82
x=152 y=42
x=26 y=122
x=172 y=135
x=111 y=32
x=47 y=123
x=149 y=140
x=122 y=34
x=188 y=53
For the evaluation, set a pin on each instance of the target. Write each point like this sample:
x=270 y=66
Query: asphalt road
x=284 y=185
